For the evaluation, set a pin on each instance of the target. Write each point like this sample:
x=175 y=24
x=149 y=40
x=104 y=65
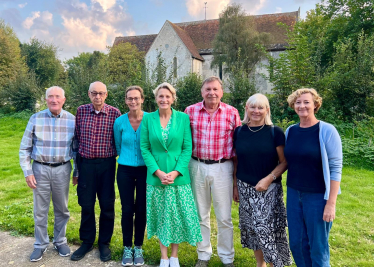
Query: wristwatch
x=274 y=177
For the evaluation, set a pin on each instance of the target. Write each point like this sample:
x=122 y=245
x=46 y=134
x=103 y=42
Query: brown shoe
x=201 y=263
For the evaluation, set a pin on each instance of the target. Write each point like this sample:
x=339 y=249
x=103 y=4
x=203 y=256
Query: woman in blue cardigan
x=131 y=176
x=314 y=155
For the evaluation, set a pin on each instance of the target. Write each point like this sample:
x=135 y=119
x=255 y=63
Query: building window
x=175 y=66
x=220 y=71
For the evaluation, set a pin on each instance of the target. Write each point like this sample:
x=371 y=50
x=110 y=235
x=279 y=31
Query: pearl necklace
x=256 y=130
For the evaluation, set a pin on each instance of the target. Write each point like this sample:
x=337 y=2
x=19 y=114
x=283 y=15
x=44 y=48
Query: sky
x=77 y=26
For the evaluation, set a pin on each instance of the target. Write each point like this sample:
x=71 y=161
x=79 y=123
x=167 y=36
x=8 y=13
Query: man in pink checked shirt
x=211 y=168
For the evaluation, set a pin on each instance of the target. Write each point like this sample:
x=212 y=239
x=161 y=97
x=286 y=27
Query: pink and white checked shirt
x=213 y=136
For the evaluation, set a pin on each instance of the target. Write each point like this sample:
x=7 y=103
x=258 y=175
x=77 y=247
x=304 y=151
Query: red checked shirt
x=213 y=135
x=94 y=132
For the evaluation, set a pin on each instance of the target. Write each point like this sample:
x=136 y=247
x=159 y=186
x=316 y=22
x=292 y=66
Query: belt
x=52 y=164
x=209 y=161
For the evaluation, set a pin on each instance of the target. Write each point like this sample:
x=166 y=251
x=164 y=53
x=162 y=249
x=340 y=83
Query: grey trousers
x=51 y=181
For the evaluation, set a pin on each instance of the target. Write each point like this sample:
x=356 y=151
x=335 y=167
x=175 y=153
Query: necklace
x=256 y=130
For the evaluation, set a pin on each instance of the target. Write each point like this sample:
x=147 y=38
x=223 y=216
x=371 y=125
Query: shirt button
x=166 y=151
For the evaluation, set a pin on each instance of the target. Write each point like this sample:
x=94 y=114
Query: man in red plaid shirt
x=96 y=170
x=211 y=168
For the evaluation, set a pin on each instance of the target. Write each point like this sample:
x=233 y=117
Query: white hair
x=259 y=100
x=167 y=86
x=54 y=87
x=92 y=85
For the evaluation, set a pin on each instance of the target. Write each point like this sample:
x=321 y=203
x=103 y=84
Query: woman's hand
x=170 y=177
x=329 y=212
x=235 y=194
x=264 y=183
x=162 y=176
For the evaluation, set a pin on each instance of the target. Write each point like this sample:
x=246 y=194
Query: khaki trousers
x=213 y=183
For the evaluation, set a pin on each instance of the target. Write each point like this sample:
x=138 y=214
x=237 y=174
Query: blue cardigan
x=331 y=152
x=127 y=142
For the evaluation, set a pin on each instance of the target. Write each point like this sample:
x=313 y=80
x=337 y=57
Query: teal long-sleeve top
x=127 y=142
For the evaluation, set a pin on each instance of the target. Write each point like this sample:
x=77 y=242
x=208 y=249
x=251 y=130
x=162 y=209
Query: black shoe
x=105 y=253
x=81 y=252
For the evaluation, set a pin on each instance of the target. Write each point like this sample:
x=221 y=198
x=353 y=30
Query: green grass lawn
x=351 y=240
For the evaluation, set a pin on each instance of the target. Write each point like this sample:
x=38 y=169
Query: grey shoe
x=127 y=257
x=63 y=250
x=37 y=254
x=201 y=263
x=228 y=264
x=138 y=256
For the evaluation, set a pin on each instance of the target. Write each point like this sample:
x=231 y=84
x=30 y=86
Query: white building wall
x=262 y=84
x=169 y=43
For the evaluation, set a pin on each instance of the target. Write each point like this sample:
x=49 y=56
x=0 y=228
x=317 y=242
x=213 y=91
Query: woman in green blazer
x=166 y=146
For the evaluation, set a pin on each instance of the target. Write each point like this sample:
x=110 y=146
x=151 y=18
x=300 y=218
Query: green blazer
x=175 y=156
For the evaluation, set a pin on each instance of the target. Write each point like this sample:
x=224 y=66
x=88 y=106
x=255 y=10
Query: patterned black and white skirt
x=263 y=222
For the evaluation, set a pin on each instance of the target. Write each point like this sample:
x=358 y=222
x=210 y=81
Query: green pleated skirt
x=172 y=215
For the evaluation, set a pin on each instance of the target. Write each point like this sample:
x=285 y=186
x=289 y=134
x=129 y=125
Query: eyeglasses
x=130 y=99
x=101 y=94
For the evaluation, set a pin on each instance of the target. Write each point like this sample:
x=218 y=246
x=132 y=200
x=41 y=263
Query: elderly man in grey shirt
x=48 y=141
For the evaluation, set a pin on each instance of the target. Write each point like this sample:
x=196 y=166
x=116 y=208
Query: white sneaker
x=174 y=262
x=164 y=263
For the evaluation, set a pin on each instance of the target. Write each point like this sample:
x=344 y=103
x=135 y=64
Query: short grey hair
x=92 y=84
x=212 y=79
x=51 y=88
x=167 y=86
x=258 y=100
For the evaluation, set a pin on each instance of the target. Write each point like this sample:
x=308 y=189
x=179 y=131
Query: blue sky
x=77 y=26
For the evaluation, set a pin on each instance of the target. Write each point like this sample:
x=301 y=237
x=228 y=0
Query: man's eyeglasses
x=130 y=99
x=101 y=94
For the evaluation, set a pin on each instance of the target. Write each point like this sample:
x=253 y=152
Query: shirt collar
x=221 y=106
x=57 y=116
x=103 y=110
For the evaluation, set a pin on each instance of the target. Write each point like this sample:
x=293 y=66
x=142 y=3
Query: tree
x=82 y=71
x=41 y=58
x=188 y=90
x=125 y=63
x=11 y=62
x=237 y=32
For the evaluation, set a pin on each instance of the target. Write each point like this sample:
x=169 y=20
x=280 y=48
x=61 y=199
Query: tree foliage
x=11 y=62
x=237 y=32
x=42 y=59
x=332 y=51
x=188 y=90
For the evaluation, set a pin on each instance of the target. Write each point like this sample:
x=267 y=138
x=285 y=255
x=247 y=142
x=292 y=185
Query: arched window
x=175 y=66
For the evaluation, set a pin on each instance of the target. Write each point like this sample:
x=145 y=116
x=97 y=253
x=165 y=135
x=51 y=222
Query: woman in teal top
x=131 y=176
x=166 y=147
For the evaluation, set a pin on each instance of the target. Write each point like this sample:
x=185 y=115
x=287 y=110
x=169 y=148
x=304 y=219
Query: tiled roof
x=202 y=32
x=142 y=42
x=186 y=39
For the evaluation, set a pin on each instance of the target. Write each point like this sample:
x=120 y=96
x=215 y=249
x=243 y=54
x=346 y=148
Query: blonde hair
x=295 y=95
x=258 y=100
x=167 y=86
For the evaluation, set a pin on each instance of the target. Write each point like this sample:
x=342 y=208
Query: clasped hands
x=166 y=178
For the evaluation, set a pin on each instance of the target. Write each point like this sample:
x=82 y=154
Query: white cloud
x=22 y=5
x=105 y=4
x=86 y=28
x=253 y=7
x=29 y=21
x=278 y=10
x=196 y=8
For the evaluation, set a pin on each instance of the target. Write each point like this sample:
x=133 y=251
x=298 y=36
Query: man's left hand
x=75 y=181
